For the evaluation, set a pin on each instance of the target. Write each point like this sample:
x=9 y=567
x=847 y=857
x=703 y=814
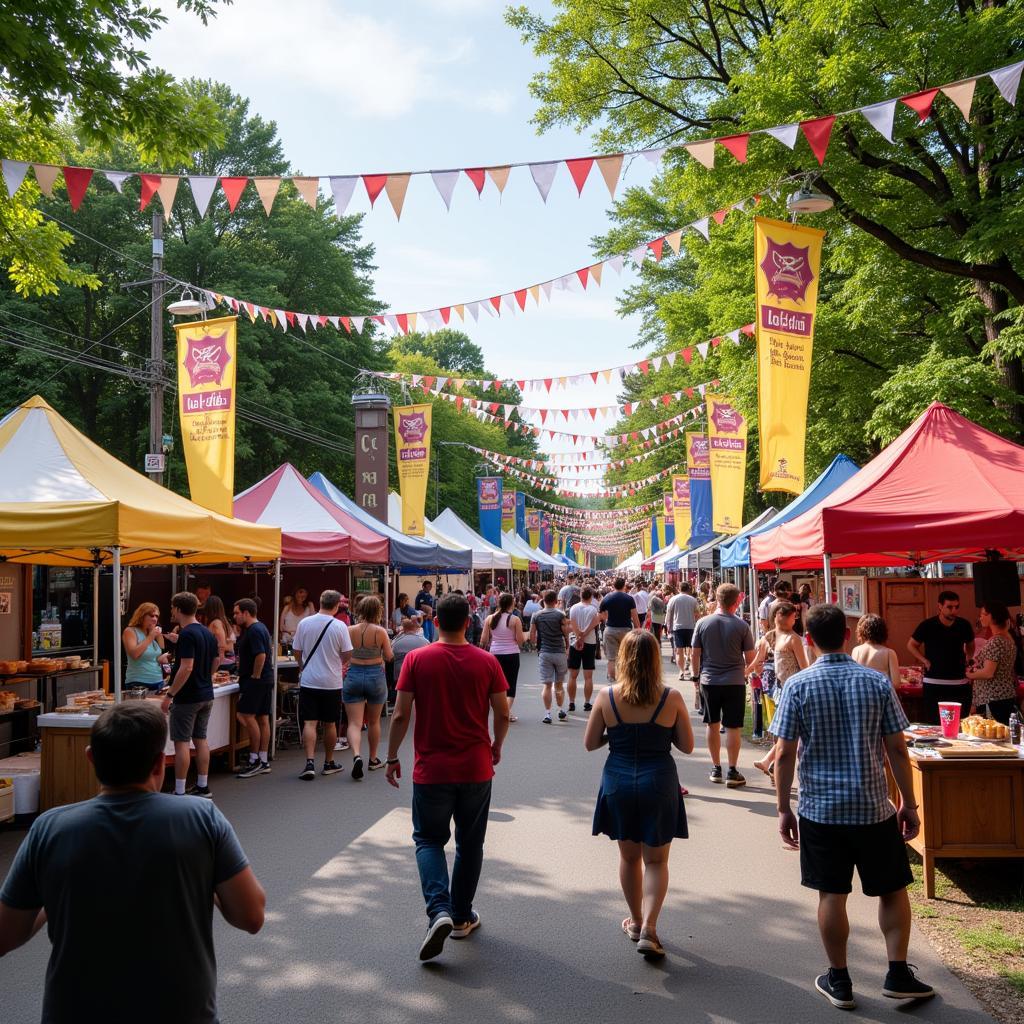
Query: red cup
x=949 y=718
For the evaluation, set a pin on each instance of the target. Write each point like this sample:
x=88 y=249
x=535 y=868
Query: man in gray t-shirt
x=680 y=621
x=723 y=646
x=169 y=856
x=550 y=630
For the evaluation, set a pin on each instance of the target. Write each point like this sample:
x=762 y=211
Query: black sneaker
x=433 y=942
x=562 y=716
x=309 y=772
x=251 y=770
x=547 y=719
x=734 y=780
x=203 y=791
x=331 y=768
x=588 y=707
x=716 y=773
x=839 y=992
x=265 y=768
x=357 y=768
x=572 y=705
x=374 y=764
x=903 y=984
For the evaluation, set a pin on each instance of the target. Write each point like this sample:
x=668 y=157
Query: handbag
x=309 y=658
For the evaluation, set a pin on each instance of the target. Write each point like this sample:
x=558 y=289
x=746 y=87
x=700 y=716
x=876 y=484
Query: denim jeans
x=428 y=626
x=433 y=807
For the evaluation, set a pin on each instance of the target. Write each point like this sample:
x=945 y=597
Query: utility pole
x=156 y=344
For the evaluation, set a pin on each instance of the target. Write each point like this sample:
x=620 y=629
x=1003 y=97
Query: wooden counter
x=969 y=808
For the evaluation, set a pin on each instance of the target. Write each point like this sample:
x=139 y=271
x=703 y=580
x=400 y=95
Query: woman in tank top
x=503 y=637
x=144 y=644
x=364 y=689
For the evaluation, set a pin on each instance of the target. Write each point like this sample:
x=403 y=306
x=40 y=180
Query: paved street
x=345 y=916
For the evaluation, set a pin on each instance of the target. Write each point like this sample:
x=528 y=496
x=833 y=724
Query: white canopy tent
x=631 y=564
x=486 y=557
x=515 y=545
x=661 y=557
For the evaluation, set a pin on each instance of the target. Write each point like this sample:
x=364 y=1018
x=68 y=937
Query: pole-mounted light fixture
x=807 y=199
x=187 y=305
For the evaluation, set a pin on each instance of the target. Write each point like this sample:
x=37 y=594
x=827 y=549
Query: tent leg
x=273 y=654
x=96 y=616
x=755 y=626
x=116 y=592
x=826 y=561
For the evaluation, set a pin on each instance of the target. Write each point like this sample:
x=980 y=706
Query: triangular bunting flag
x=444 y=182
x=233 y=189
x=583 y=273
x=817 y=133
x=150 y=183
x=477 y=176
x=46 y=175
x=921 y=102
x=202 y=191
x=702 y=348
x=397 y=185
x=655 y=155
x=474 y=310
x=535 y=292
x=357 y=323
x=737 y=145
x=720 y=215
x=580 y=169
x=445 y=314
x=76 y=180
x=543 y=175
x=342 y=189
x=702 y=152
x=266 y=189
x=460 y=309
x=702 y=227
x=167 y=191
x=675 y=240
x=596 y=271
x=880 y=117
x=499 y=175
x=610 y=168
x=413 y=320
x=639 y=254
x=14 y=175
x=962 y=94
x=785 y=133
x=1007 y=81
x=117 y=178
x=521 y=298
x=374 y=185
x=307 y=188
x=656 y=246
x=546 y=289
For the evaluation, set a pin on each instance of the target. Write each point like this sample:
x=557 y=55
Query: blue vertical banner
x=570 y=551
x=521 y=515
x=698 y=466
x=488 y=499
x=545 y=533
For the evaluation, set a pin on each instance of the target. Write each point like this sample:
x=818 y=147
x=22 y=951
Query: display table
x=67 y=776
x=969 y=808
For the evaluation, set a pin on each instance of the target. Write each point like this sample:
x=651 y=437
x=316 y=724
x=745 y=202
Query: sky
x=358 y=87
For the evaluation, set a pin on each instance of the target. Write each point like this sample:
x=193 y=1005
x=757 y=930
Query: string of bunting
x=547 y=465
x=395 y=184
x=595 y=515
x=631 y=487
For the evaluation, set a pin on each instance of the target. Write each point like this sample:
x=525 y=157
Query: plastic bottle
x=1015 y=729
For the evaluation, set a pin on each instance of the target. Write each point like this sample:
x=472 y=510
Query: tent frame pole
x=274 y=648
x=115 y=591
x=96 y=615
x=826 y=562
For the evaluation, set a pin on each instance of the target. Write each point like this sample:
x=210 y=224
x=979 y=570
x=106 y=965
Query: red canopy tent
x=945 y=489
x=313 y=529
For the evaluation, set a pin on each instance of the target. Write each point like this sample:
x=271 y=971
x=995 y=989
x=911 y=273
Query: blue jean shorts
x=365 y=683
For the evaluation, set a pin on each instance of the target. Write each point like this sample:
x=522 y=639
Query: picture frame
x=813 y=582
x=850 y=595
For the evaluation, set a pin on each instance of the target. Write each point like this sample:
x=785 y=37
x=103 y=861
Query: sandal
x=649 y=947
x=632 y=930
x=761 y=768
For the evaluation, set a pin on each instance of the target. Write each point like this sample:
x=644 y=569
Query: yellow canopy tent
x=65 y=501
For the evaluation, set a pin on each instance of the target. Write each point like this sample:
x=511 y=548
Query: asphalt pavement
x=345 y=916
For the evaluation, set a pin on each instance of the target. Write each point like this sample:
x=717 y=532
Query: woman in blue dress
x=640 y=803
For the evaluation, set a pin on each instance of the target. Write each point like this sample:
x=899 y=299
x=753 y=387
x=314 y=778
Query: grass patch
x=990 y=938
x=1015 y=978
x=924 y=911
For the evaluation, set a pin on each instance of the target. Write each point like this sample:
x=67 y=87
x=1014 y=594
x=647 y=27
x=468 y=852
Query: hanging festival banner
x=488 y=503
x=545 y=533
x=533 y=527
x=520 y=523
x=670 y=521
x=412 y=457
x=698 y=468
x=787 y=269
x=681 y=508
x=207 y=361
x=727 y=454
x=508 y=510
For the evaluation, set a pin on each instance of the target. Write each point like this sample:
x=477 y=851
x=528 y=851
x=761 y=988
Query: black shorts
x=725 y=704
x=582 y=659
x=510 y=670
x=829 y=853
x=255 y=698
x=319 y=705
x=682 y=637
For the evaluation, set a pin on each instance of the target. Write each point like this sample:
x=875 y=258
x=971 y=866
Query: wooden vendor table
x=970 y=808
x=67 y=776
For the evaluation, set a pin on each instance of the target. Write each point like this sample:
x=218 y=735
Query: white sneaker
x=342 y=744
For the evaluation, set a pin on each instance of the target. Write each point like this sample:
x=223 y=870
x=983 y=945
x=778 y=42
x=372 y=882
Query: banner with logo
x=521 y=514
x=488 y=502
x=670 y=520
x=787 y=270
x=727 y=451
x=207 y=360
x=681 y=508
x=412 y=456
x=508 y=510
x=533 y=527
x=545 y=533
x=698 y=468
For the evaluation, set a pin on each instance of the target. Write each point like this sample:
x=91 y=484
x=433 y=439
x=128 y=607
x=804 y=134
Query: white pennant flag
x=671 y=358
x=342 y=189
x=701 y=388
x=392 y=321
x=508 y=303
x=1007 y=81
x=786 y=134
x=282 y=319
x=655 y=155
x=117 y=178
x=357 y=323
x=303 y=319
x=616 y=264
x=734 y=336
x=202 y=191
x=702 y=348
x=335 y=322
x=444 y=182
x=14 y=174
x=474 y=310
x=543 y=176
x=880 y=117
x=546 y=289
x=701 y=227
x=639 y=254
x=657 y=361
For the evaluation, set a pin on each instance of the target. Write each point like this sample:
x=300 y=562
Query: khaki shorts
x=612 y=638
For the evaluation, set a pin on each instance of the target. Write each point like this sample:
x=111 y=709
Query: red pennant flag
x=478 y=176
x=547 y=383
x=446 y=314
x=77 y=180
x=580 y=169
x=459 y=402
x=644 y=365
x=595 y=375
x=737 y=145
x=583 y=274
x=521 y=384
x=593 y=413
x=493 y=407
x=666 y=399
x=817 y=133
x=403 y=322
x=379 y=319
x=321 y=320
x=521 y=298
x=689 y=392
x=496 y=303
x=687 y=355
x=496 y=384
x=429 y=382
x=715 y=342
x=290 y=317
x=233 y=189
x=921 y=102
x=634 y=436
x=747 y=329
x=543 y=415
x=374 y=185
x=150 y=183
x=345 y=321
x=720 y=215
x=656 y=246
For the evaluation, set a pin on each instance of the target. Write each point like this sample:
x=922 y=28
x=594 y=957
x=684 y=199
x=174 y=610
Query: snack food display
x=980 y=728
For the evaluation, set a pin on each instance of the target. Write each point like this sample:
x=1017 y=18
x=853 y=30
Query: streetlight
x=187 y=305
x=807 y=199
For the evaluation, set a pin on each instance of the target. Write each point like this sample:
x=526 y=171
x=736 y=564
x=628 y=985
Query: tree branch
x=863 y=358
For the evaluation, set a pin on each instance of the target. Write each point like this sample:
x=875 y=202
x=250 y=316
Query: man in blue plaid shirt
x=847 y=721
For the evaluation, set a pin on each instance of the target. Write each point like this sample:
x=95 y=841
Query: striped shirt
x=840 y=711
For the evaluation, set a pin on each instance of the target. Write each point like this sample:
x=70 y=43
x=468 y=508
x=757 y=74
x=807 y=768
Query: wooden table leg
x=929 y=874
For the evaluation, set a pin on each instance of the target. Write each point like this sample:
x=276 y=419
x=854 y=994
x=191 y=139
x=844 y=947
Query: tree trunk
x=995 y=302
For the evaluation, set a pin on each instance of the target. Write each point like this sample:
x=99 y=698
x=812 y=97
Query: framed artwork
x=850 y=591
x=813 y=582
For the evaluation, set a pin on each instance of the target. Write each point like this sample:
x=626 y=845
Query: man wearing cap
x=424 y=604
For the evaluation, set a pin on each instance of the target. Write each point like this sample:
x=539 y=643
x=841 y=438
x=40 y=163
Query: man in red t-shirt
x=454 y=686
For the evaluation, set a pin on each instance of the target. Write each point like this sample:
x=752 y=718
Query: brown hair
x=782 y=608
x=371 y=610
x=144 y=609
x=727 y=595
x=638 y=668
x=185 y=602
x=505 y=603
x=214 y=610
x=126 y=741
x=872 y=629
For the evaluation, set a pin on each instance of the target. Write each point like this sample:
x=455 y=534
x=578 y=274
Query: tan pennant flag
x=610 y=168
x=167 y=191
x=962 y=94
x=396 y=187
x=266 y=189
x=535 y=292
x=461 y=310
x=307 y=188
x=46 y=175
x=413 y=317
x=595 y=272
x=675 y=240
x=499 y=175
x=702 y=152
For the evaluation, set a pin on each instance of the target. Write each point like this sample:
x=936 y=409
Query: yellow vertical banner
x=681 y=508
x=207 y=360
x=787 y=271
x=533 y=527
x=412 y=457
x=727 y=451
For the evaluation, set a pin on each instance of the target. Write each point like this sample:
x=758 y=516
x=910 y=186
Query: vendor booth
x=488 y=560
x=631 y=564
